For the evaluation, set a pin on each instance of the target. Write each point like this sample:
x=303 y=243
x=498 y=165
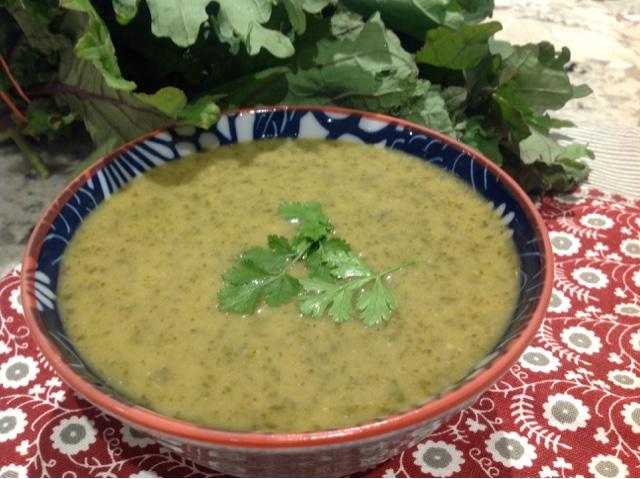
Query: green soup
x=137 y=290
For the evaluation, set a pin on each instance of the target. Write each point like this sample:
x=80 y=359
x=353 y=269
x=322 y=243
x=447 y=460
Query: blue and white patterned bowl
x=321 y=453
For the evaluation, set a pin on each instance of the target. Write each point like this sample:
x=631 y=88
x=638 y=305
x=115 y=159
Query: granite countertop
x=604 y=38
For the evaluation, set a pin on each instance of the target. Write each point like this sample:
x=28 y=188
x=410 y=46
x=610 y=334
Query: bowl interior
x=60 y=221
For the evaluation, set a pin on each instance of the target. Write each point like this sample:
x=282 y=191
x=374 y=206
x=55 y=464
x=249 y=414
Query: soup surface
x=138 y=286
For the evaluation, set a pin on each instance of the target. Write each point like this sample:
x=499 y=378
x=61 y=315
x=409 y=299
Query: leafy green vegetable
x=244 y=19
x=202 y=112
x=95 y=45
x=128 y=66
x=539 y=147
x=112 y=117
x=532 y=82
x=179 y=21
x=463 y=48
x=45 y=120
x=125 y=10
x=366 y=69
x=336 y=274
x=414 y=17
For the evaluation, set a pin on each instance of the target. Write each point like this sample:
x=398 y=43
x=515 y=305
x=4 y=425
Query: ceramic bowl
x=320 y=453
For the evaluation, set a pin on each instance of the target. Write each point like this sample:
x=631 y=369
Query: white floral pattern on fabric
x=135 y=438
x=539 y=360
x=615 y=358
x=14 y=470
x=15 y=302
x=628 y=309
x=547 y=472
x=596 y=221
x=630 y=248
x=631 y=416
x=634 y=341
x=438 y=458
x=23 y=447
x=36 y=390
x=18 y=371
x=564 y=244
x=57 y=396
x=559 y=303
x=561 y=463
x=624 y=379
x=601 y=436
x=143 y=474
x=565 y=412
x=635 y=277
x=581 y=339
x=605 y=466
x=54 y=382
x=475 y=426
x=73 y=435
x=13 y=422
x=4 y=349
x=511 y=449
x=590 y=277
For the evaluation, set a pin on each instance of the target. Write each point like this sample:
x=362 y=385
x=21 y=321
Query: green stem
x=28 y=152
x=287 y=267
x=396 y=268
x=4 y=135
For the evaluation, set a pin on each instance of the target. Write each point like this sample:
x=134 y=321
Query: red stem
x=12 y=106
x=16 y=85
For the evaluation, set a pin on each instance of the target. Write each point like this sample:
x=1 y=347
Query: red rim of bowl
x=150 y=420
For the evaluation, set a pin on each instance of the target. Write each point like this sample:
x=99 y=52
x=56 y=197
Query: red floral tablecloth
x=570 y=407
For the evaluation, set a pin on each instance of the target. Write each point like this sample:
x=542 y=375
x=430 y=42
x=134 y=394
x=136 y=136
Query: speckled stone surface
x=604 y=38
x=23 y=195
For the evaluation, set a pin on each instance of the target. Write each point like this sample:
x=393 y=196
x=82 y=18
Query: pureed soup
x=138 y=284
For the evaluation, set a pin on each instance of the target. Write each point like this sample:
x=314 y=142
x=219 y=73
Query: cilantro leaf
x=312 y=222
x=336 y=277
x=342 y=281
x=281 y=290
x=244 y=272
x=316 y=305
x=266 y=259
x=280 y=244
x=345 y=264
x=338 y=298
x=342 y=305
x=240 y=298
x=376 y=304
x=260 y=273
x=315 y=260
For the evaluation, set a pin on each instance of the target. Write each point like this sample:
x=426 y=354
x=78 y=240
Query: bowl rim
x=168 y=426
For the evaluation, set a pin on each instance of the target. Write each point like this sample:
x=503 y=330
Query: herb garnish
x=337 y=277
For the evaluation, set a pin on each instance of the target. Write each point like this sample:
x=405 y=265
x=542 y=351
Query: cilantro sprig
x=338 y=283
